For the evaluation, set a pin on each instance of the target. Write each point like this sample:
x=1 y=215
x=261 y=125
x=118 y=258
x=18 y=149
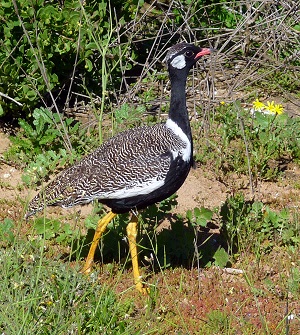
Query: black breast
x=175 y=177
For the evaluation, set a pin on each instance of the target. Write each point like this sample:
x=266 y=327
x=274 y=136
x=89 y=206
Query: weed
x=127 y=116
x=252 y=226
x=45 y=297
x=271 y=139
x=40 y=146
x=45 y=134
x=279 y=82
x=219 y=323
x=221 y=257
x=46 y=45
x=199 y=216
x=6 y=232
x=54 y=229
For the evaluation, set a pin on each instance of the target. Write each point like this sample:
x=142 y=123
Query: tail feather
x=36 y=204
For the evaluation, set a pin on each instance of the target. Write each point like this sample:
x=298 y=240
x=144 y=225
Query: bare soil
x=254 y=295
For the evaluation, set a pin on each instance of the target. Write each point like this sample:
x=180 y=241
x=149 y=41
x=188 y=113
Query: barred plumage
x=135 y=168
x=129 y=164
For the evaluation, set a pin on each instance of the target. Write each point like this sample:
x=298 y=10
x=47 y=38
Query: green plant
x=221 y=257
x=43 y=296
x=127 y=116
x=56 y=230
x=279 y=82
x=28 y=53
x=45 y=133
x=6 y=232
x=208 y=252
x=44 y=45
x=223 y=147
x=270 y=140
x=252 y=226
x=40 y=147
x=219 y=323
x=273 y=138
x=199 y=216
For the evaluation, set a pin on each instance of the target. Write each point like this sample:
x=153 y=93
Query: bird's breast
x=184 y=149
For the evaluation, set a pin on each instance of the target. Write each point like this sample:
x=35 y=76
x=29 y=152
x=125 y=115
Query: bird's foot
x=87 y=269
x=142 y=289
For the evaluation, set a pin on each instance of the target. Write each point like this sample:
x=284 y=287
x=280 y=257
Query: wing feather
x=131 y=163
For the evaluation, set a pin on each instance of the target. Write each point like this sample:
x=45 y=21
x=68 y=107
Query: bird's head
x=184 y=56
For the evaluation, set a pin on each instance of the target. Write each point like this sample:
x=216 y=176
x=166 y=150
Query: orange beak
x=204 y=51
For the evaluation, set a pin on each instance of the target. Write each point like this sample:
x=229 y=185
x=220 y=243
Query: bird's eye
x=189 y=53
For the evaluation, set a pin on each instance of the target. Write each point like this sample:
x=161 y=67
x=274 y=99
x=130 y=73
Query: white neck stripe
x=186 y=152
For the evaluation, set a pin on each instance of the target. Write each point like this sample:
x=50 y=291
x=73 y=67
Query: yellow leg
x=102 y=224
x=132 y=234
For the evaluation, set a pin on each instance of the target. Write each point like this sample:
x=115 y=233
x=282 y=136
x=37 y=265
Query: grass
x=184 y=263
x=43 y=297
x=42 y=290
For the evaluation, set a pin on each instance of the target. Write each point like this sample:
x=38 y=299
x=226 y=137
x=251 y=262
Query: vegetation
x=272 y=140
x=73 y=74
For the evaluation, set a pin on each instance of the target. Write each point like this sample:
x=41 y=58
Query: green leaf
x=297 y=27
x=91 y=45
x=88 y=65
x=6 y=230
x=199 y=216
x=44 y=226
x=221 y=258
x=27 y=179
x=202 y=216
x=27 y=128
x=189 y=215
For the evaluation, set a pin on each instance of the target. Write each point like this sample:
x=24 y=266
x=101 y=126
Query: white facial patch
x=178 y=62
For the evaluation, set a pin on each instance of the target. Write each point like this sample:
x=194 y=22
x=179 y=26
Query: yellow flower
x=274 y=109
x=269 y=108
x=258 y=105
x=278 y=109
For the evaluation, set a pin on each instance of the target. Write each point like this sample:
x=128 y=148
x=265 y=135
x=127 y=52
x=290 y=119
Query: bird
x=135 y=168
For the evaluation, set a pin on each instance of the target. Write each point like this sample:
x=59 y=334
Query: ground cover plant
x=222 y=257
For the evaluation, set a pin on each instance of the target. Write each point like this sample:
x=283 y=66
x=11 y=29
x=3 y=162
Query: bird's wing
x=132 y=163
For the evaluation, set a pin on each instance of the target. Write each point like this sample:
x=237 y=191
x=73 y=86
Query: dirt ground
x=200 y=188
x=232 y=295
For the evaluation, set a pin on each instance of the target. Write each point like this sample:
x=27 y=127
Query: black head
x=184 y=56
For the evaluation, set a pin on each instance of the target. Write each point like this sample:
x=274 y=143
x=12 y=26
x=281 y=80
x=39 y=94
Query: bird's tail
x=36 y=204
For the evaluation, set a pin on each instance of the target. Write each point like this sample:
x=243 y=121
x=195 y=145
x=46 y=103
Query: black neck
x=178 y=111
